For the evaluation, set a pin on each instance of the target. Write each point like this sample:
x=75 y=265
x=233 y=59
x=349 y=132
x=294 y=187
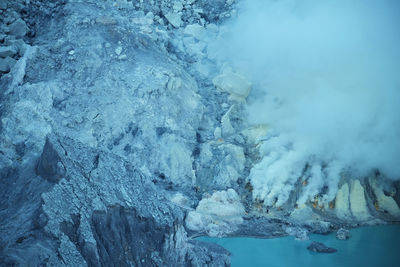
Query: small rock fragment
x=320 y=248
x=122 y=57
x=343 y=234
x=217 y=133
x=118 y=50
x=226 y=125
x=106 y=20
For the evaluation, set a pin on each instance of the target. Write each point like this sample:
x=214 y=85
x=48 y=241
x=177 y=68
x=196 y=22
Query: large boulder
x=7 y=51
x=235 y=84
x=320 y=248
x=343 y=234
x=18 y=28
x=218 y=214
x=50 y=166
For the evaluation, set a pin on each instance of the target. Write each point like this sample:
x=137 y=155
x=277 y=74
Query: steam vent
x=131 y=130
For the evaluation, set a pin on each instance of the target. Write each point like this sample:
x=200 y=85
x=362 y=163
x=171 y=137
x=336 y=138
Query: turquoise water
x=368 y=246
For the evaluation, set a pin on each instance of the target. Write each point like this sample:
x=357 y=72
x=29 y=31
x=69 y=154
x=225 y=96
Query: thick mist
x=326 y=78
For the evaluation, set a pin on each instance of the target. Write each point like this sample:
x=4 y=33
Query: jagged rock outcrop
x=99 y=211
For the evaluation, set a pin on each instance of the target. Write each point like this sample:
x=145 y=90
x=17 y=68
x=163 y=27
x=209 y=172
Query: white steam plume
x=326 y=79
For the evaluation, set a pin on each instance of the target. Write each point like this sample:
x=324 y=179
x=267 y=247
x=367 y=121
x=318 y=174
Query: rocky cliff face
x=99 y=124
x=122 y=138
x=83 y=206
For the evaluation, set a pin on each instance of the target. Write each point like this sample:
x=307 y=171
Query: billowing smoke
x=326 y=78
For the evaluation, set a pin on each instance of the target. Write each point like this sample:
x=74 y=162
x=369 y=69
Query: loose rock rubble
x=13 y=30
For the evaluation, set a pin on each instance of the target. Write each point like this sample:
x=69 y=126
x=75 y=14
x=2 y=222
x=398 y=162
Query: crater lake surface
x=367 y=246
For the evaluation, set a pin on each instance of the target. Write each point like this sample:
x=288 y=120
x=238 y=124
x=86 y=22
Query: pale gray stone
x=18 y=28
x=7 y=51
x=6 y=64
x=174 y=19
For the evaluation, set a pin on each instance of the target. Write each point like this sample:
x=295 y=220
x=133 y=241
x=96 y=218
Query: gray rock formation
x=91 y=207
x=343 y=234
x=320 y=248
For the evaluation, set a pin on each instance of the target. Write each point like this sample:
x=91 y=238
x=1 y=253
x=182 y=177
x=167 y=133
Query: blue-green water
x=368 y=246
